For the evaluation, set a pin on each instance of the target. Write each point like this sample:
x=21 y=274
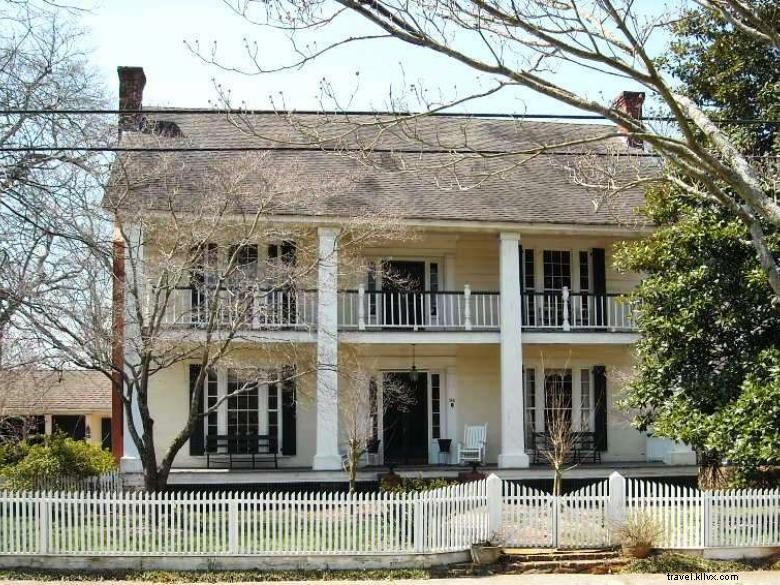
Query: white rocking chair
x=472 y=449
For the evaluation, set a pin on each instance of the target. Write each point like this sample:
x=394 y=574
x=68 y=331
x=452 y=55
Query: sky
x=152 y=34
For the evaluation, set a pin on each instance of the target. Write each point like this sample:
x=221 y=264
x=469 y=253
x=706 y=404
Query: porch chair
x=472 y=449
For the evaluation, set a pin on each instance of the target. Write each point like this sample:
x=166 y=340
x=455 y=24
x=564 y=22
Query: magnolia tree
x=523 y=45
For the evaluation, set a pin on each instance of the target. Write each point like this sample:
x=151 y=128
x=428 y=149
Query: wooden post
x=467 y=307
x=616 y=504
x=494 y=504
x=362 y=307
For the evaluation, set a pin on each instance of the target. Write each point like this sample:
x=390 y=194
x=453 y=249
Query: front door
x=402 y=289
x=405 y=418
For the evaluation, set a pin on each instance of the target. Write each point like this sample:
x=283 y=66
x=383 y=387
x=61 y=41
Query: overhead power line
x=239 y=112
x=315 y=149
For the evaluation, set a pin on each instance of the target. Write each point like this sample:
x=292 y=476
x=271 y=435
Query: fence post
x=555 y=517
x=616 y=504
x=467 y=307
x=419 y=523
x=706 y=519
x=43 y=524
x=495 y=504
x=361 y=307
x=233 y=524
x=566 y=319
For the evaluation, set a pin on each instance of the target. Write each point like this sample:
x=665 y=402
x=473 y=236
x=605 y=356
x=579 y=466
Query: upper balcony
x=469 y=310
x=259 y=309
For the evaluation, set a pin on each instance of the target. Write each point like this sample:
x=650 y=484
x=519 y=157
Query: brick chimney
x=131 y=96
x=630 y=102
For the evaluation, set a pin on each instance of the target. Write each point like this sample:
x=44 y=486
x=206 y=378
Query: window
x=529 y=277
x=373 y=406
x=243 y=404
x=202 y=279
x=557 y=274
x=557 y=269
x=584 y=272
x=557 y=398
x=212 y=396
x=434 y=278
x=273 y=409
x=586 y=404
x=530 y=406
x=435 y=406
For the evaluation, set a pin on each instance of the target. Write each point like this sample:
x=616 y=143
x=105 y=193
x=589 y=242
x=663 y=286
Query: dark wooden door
x=403 y=287
x=406 y=420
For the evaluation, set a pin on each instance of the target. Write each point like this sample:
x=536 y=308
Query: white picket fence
x=140 y=523
x=691 y=518
x=532 y=518
x=442 y=520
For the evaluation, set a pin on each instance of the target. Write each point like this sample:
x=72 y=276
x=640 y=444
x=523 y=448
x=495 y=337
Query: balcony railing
x=243 y=307
x=571 y=311
x=464 y=310
x=360 y=309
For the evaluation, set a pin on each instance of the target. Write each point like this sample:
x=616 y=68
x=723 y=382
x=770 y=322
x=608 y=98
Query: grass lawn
x=670 y=562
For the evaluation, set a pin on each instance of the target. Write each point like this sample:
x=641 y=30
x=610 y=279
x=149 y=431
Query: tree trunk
x=557 y=481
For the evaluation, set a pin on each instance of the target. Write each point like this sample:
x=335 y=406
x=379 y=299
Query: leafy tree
x=705 y=309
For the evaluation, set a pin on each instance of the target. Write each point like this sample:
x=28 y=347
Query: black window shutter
x=196 y=438
x=288 y=252
x=273 y=251
x=600 y=285
x=289 y=431
x=600 y=405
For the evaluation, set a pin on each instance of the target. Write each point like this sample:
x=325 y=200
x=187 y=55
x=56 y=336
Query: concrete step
x=593 y=566
x=538 y=555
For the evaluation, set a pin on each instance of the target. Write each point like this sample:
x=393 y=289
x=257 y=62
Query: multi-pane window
x=530 y=406
x=373 y=406
x=212 y=396
x=243 y=404
x=584 y=272
x=434 y=287
x=557 y=274
x=436 y=406
x=202 y=279
x=557 y=269
x=586 y=404
x=557 y=398
x=273 y=408
x=528 y=270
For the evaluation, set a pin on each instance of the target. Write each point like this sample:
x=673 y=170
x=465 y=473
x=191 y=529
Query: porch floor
x=199 y=476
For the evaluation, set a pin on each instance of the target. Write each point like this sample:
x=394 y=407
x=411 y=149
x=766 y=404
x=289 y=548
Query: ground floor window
x=242 y=402
x=558 y=394
x=557 y=398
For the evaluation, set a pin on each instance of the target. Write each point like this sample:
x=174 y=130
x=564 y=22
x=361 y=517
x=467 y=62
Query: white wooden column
x=327 y=432
x=512 y=452
x=131 y=462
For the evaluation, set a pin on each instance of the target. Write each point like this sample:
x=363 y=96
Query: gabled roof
x=46 y=391
x=445 y=168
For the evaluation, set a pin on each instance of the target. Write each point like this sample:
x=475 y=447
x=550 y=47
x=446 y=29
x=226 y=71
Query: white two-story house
x=504 y=301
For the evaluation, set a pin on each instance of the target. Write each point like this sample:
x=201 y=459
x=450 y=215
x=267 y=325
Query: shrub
x=415 y=484
x=56 y=458
x=638 y=530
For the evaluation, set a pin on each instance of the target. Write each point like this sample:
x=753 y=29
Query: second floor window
x=557 y=269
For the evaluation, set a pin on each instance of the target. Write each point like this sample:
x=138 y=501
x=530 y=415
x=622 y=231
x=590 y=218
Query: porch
x=372 y=474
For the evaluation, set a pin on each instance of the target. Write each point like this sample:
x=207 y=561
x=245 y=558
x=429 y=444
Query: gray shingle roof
x=433 y=168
